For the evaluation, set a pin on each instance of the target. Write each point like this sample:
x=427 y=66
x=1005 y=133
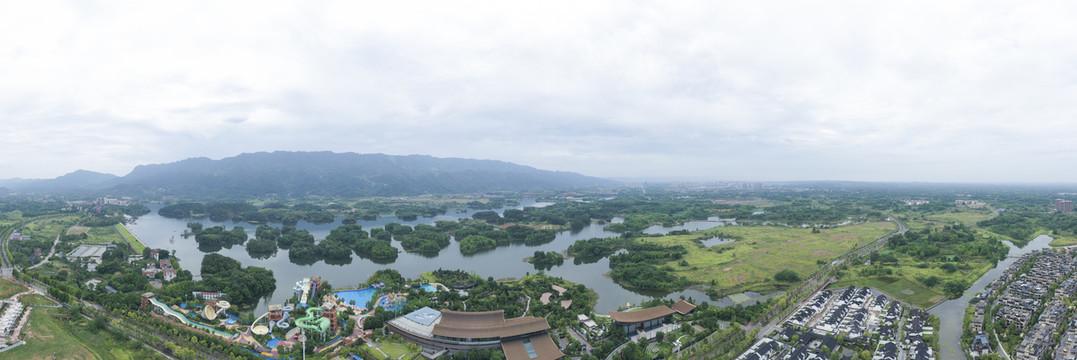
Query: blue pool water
x=429 y=288
x=361 y=296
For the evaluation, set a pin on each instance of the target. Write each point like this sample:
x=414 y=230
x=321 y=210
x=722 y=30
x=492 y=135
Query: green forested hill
x=336 y=174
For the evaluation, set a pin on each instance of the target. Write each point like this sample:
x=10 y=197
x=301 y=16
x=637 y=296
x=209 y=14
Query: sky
x=939 y=91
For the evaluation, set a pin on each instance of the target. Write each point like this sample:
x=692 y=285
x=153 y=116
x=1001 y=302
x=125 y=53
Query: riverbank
x=952 y=311
x=131 y=238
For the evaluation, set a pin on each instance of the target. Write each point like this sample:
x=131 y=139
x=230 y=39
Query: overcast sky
x=755 y=90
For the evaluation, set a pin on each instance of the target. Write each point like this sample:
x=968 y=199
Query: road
x=5 y=262
x=6 y=266
x=583 y=341
x=49 y=256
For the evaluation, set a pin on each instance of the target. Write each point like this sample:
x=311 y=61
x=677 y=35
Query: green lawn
x=394 y=350
x=968 y=217
x=138 y=245
x=52 y=338
x=899 y=288
x=103 y=235
x=762 y=251
x=75 y=230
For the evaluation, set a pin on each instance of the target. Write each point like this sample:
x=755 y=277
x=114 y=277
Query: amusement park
x=318 y=320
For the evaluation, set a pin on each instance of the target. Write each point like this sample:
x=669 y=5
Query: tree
x=954 y=289
x=217 y=263
x=787 y=276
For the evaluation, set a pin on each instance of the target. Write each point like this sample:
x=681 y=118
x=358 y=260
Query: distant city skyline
x=700 y=91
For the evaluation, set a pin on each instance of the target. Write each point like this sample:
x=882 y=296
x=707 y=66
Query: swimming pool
x=429 y=288
x=360 y=297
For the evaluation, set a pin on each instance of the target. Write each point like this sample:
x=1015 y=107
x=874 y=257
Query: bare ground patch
x=75 y=230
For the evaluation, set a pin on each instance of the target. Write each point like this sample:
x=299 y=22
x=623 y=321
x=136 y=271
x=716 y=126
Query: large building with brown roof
x=643 y=319
x=448 y=331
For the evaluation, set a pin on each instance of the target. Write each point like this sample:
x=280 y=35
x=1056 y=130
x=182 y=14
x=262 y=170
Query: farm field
x=761 y=251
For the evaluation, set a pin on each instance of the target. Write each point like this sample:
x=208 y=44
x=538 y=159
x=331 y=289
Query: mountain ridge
x=324 y=173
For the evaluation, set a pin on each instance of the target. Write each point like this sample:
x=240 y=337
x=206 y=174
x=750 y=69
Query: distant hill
x=77 y=180
x=331 y=174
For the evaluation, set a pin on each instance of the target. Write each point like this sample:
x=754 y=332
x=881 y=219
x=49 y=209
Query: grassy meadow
x=50 y=337
x=761 y=251
x=103 y=235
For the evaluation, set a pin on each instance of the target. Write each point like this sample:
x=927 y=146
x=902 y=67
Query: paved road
x=6 y=266
x=583 y=341
x=47 y=257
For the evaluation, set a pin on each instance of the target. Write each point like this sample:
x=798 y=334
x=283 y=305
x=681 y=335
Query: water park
x=282 y=327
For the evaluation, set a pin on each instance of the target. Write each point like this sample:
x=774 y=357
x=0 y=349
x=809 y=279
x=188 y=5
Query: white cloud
x=953 y=91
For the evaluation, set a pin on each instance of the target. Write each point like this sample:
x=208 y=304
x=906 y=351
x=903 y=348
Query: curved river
x=951 y=312
x=503 y=262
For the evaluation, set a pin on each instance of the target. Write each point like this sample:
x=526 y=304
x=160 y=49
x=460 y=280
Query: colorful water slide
x=260 y=329
x=209 y=313
x=313 y=320
x=183 y=319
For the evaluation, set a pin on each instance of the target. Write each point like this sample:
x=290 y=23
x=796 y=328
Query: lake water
x=503 y=262
x=951 y=311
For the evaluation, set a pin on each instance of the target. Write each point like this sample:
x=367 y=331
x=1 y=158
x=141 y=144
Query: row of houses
x=1039 y=340
x=1024 y=297
x=1020 y=296
x=913 y=342
x=852 y=312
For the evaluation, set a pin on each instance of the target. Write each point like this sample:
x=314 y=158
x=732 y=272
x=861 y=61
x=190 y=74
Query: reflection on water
x=716 y=241
x=502 y=262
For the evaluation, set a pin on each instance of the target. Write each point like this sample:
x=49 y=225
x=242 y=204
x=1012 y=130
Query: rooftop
x=629 y=317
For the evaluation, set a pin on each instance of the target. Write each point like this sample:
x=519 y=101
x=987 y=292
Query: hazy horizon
x=960 y=92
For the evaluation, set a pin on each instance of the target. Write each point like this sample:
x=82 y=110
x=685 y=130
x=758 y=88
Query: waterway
x=503 y=262
x=951 y=312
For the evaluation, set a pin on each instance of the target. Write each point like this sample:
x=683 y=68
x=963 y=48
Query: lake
x=503 y=262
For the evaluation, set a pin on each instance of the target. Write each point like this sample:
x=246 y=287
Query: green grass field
x=907 y=275
x=762 y=251
x=48 y=229
x=394 y=350
x=138 y=245
x=1063 y=240
x=77 y=229
x=35 y=299
x=52 y=338
x=902 y=289
x=968 y=217
x=103 y=235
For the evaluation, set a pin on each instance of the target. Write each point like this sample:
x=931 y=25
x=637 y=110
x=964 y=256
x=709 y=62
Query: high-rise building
x=1063 y=206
